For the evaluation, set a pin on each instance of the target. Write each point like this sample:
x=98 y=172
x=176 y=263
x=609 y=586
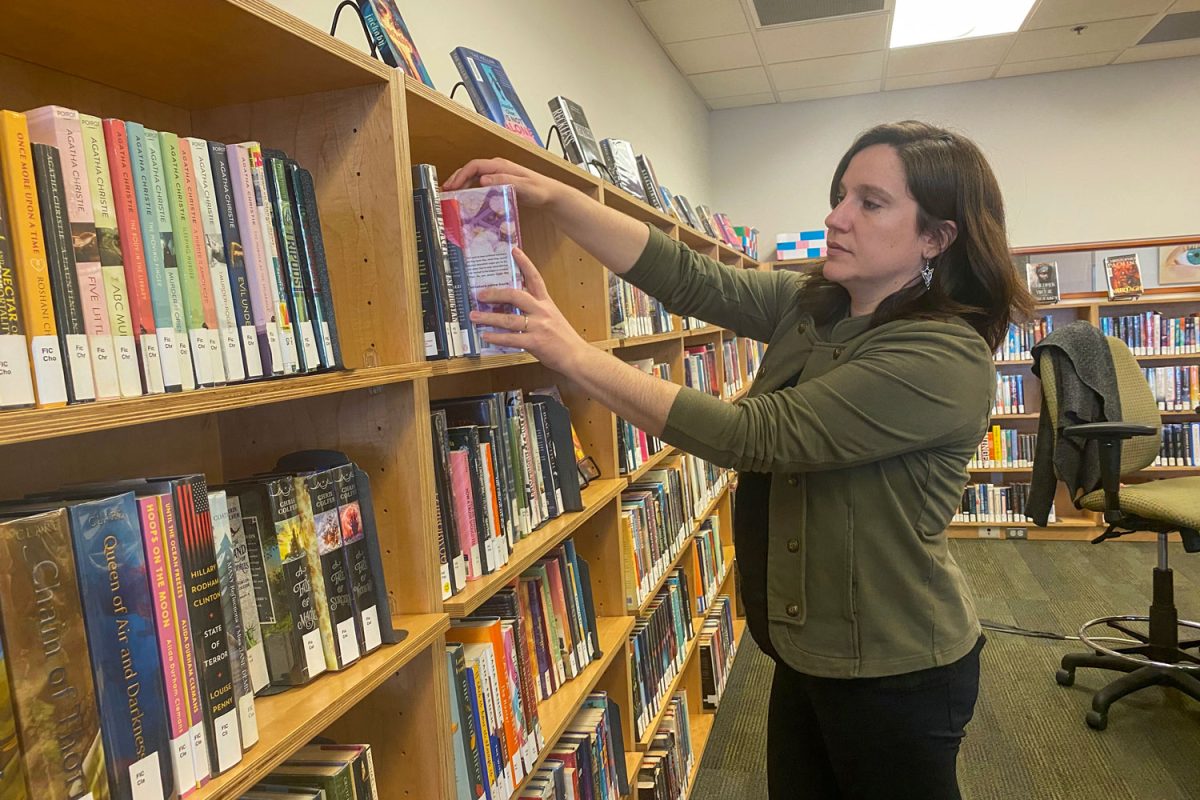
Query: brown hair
x=974 y=278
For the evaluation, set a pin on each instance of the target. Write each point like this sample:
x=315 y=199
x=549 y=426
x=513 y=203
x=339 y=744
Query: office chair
x=1160 y=506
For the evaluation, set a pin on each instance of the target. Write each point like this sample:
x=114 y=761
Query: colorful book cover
x=112 y=260
x=299 y=292
x=256 y=657
x=208 y=298
x=29 y=257
x=231 y=611
x=123 y=644
x=1124 y=276
x=364 y=592
x=45 y=645
x=59 y=127
x=12 y=771
x=459 y=729
x=322 y=488
x=456 y=263
x=490 y=231
x=266 y=228
x=493 y=93
x=16 y=379
x=392 y=38
x=306 y=538
x=152 y=251
x=127 y=234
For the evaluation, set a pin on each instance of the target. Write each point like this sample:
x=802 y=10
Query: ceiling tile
x=681 y=20
x=1009 y=69
x=731 y=82
x=837 y=90
x=1099 y=37
x=827 y=71
x=759 y=99
x=711 y=55
x=835 y=37
x=1068 y=13
x=948 y=56
x=1151 y=52
x=893 y=83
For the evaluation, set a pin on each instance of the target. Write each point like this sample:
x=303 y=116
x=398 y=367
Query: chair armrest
x=1110 y=435
x=1109 y=430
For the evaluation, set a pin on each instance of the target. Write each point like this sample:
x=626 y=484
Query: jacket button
x=793 y=546
x=793 y=610
x=793 y=480
x=837 y=352
x=803 y=327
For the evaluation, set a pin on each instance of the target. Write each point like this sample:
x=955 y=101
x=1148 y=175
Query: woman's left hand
x=540 y=328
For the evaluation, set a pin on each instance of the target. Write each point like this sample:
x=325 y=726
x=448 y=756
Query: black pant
x=890 y=738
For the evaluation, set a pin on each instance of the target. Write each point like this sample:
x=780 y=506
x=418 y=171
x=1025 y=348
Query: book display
x=225 y=285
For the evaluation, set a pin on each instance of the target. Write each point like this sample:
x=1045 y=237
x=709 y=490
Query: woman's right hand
x=533 y=188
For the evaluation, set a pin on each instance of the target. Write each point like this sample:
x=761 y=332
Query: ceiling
x=733 y=61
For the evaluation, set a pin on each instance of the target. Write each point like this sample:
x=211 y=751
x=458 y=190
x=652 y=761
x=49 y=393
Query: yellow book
x=29 y=252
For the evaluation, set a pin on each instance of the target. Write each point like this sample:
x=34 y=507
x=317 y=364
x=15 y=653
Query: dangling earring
x=927 y=274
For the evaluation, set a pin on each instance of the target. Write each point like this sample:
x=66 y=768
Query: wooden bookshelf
x=651 y=463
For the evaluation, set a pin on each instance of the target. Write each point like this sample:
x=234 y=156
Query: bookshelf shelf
x=1060 y=525
x=1013 y=362
x=459 y=366
x=634 y=341
x=708 y=331
x=1100 y=299
x=533 y=547
x=651 y=463
x=289 y=720
x=739 y=394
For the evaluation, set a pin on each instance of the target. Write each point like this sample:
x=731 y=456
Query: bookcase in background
x=238 y=70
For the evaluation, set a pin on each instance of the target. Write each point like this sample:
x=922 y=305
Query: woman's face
x=873 y=243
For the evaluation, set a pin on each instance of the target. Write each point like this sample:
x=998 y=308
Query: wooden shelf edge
x=658 y=584
x=711 y=508
x=305 y=711
x=653 y=462
x=650 y=338
x=707 y=330
x=533 y=547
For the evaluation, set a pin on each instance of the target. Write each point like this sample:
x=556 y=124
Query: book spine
x=308 y=228
x=652 y=196
x=256 y=658
x=235 y=259
x=16 y=379
x=298 y=292
x=457 y=269
x=306 y=538
x=32 y=269
x=128 y=233
x=170 y=659
x=171 y=258
x=470 y=733
x=433 y=315
x=208 y=298
x=471 y=80
x=120 y=621
x=196 y=298
x=231 y=612
x=287 y=330
x=321 y=488
x=212 y=243
x=112 y=262
x=358 y=562
x=59 y=127
x=72 y=333
x=566 y=132
x=428 y=183
x=49 y=674
x=12 y=770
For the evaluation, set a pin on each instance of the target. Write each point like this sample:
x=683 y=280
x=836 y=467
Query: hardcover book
x=579 y=143
x=493 y=93
x=1124 y=276
x=456 y=261
x=252 y=644
x=322 y=491
x=650 y=182
x=1042 y=278
x=12 y=772
x=299 y=288
x=622 y=163
x=312 y=252
x=231 y=611
x=431 y=250
x=392 y=38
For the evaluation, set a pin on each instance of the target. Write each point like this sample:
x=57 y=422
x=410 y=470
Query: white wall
x=1088 y=155
x=596 y=52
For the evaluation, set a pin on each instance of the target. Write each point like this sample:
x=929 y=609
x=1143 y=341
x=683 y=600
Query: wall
x=596 y=52
x=1088 y=155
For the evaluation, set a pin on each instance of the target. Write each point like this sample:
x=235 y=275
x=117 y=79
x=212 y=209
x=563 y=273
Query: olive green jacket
x=868 y=453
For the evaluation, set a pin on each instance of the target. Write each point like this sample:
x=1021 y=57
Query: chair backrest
x=1138 y=405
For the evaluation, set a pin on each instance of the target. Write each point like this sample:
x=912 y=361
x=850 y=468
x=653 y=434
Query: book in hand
x=579 y=143
x=392 y=38
x=1124 y=276
x=1042 y=278
x=493 y=93
x=622 y=164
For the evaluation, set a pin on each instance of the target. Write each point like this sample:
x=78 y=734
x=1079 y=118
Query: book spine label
x=152 y=252
x=298 y=611
x=322 y=491
x=256 y=659
x=260 y=280
x=32 y=268
x=312 y=253
x=231 y=611
x=275 y=269
x=297 y=296
x=112 y=266
x=169 y=258
x=128 y=234
x=235 y=258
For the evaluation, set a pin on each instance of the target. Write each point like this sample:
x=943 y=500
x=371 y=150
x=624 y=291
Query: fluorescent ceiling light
x=926 y=21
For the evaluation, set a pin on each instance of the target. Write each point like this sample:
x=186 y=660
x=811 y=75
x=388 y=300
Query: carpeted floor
x=1028 y=740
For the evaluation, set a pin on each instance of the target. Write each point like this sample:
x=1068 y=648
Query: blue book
x=462 y=778
x=493 y=93
x=479 y=720
x=106 y=536
x=391 y=37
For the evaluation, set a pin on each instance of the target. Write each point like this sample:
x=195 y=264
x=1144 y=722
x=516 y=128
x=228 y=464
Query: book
x=456 y=263
x=431 y=252
x=493 y=93
x=231 y=612
x=12 y=771
x=296 y=281
x=336 y=779
x=650 y=182
x=252 y=644
x=356 y=756
x=392 y=38
x=451 y=563
x=622 y=164
x=490 y=231
x=108 y=244
x=578 y=141
x=59 y=127
x=321 y=490
x=1042 y=279
x=29 y=257
x=468 y=780
x=312 y=253
x=1124 y=276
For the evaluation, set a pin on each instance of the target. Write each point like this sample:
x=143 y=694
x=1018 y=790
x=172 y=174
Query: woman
x=852 y=443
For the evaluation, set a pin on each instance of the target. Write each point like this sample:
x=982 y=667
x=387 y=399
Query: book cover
x=357 y=756
x=364 y=590
x=622 y=163
x=493 y=93
x=579 y=143
x=234 y=257
x=490 y=231
x=112 y=260
x=299 y=291
x=461 y=730
x=45 y=645
x=29 y=258
x=126 y=233
x=462 y=506
x=252 y=644
x=393 y=40
x=12 y=771
x=273 y=260
x=650 y=182
x=312 y=253
x=706 y=221
x=231 y=614
x=1124 y=276
x=457 y=266
x=667 y=203
x=1042 y=278
x=322 y=490
x=59 y=127
x=68 y=306
x=304 y=530
x=152 y=253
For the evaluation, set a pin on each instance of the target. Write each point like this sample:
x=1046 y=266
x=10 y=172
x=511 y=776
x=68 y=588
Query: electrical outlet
x=1016 y=533
x=990 y=532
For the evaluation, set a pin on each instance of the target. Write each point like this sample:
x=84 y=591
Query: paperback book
x=392 y=38
x=493 y=92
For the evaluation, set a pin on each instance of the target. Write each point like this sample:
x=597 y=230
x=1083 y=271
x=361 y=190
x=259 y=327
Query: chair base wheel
x=1097 y=721
x=1065 y=677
